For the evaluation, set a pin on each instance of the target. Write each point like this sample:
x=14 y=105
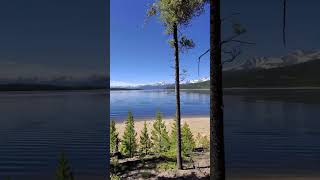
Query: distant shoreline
x=197 y=125
x=82 y=88
x=124 y=89
x=46 y=87
x=237 y=88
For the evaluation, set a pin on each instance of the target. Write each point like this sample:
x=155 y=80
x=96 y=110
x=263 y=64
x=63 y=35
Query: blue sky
x=140 y=54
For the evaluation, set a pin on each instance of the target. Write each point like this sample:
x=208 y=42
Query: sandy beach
x=197 y=125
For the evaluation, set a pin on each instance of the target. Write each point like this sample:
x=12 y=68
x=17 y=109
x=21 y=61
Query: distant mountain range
x=123 y=85
x=299 y=68
x=196 y=80
x=157 y=85
x=305 y=74
x=54 y=83
x=293 y=58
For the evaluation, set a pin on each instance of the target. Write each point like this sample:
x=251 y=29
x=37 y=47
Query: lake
x=267 y=131
x=36 y=126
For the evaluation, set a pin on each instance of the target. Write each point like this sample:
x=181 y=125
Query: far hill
x=305 y=74
x=123 y=89
x=46 y=87
x=53 y=83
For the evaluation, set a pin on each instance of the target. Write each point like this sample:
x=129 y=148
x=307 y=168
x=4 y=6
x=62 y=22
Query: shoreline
x=199 y=124
x=236 y=88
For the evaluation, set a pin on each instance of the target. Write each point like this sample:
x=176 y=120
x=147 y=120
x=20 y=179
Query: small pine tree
x=114 y=165
x=199 y=137
x=145 y=141
x=64 y=170
x=114 y=137
x=205 y=143
x=128 y=143
x=173 y=137
x=188 y=143
x=159 y=135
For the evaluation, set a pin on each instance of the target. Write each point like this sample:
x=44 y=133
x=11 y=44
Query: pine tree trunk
x=177 y=90
x=117 y=146
x=217 y=163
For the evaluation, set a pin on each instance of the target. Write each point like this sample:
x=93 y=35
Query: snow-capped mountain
x=196 y=80
x=156 y=85
x=119 y=84
x=295 y=57
x=161 y=83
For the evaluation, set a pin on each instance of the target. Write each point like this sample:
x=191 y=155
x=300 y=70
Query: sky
x=50 y=38
x=140 y=53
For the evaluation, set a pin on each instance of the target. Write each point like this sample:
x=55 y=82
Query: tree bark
x=217 y=162
x=177 y=91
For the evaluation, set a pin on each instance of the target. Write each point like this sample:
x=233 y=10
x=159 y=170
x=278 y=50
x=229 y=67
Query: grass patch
x=146 y=175
x=164 y=166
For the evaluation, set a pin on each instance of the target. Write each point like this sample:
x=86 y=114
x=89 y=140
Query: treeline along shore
x=46 y=87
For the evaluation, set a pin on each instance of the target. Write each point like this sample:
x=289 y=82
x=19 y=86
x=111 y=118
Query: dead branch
x=284 y=23
x=234 y=53
x=228 y=17
x=243 y=42
x=199 y=59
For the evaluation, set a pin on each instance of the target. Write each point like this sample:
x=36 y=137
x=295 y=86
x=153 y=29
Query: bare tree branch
x=243 y=42
x=233 y=39
x=229 y=39
x=284 y=23
x=238 y=30
x=234 y=53
x=183 y=75
x=230 y=16
x=199 y=59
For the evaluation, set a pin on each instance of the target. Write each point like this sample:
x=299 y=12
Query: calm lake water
x=36 y=126
x=266 y=131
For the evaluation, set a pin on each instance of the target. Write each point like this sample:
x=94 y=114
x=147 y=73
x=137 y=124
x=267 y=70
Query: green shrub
x=203 y=141
x=114 y=165
x=114 y=177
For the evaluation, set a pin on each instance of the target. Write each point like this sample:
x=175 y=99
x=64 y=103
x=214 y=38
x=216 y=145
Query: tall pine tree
x=145 y=141
x=128 y=143
x=114 y=138
x=175 y=14
x=159 y=135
